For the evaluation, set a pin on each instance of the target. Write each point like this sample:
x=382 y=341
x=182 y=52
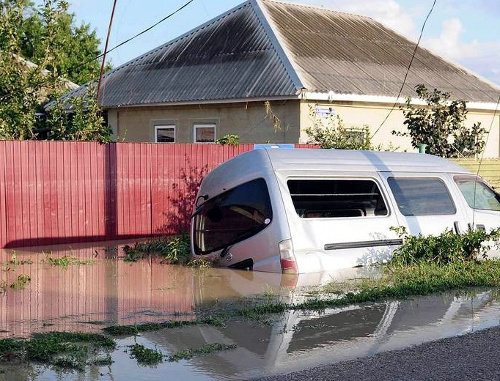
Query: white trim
x=329 y=97
x=332 y=97
x=204 y=125
x=207 y=102
x=164 y=127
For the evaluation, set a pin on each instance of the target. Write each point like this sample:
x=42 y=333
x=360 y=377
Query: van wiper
x=225 y=251
x=204 y=197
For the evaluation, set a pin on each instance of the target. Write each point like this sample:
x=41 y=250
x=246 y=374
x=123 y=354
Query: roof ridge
x=277 y=43
x=319 y=8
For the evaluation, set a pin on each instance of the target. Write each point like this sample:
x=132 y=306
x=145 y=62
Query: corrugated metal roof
x=350 y=54
x=229 y=57
x=264 y=49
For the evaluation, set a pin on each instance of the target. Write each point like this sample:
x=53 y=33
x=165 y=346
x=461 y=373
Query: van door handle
x=457 y=227
x=478 y=227
x=481 y=227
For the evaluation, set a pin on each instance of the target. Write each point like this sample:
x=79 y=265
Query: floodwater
x=108 y=291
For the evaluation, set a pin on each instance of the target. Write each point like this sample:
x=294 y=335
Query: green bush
x=445 y=248
x=231 y=140
x=173 y=250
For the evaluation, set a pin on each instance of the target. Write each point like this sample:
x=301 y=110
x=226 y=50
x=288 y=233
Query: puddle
x=107 y=291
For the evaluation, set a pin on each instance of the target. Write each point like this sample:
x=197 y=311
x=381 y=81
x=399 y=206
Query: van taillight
x=288 y=263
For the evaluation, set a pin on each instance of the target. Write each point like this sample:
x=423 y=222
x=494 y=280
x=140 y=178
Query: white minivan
x=313 y=210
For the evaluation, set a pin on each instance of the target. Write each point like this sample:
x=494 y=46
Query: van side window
x=485 y=198
x=422 y=196
x=232 y=216
x=336 y=198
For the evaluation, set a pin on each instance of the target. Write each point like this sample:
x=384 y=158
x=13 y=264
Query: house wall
x=248 y=120
x=251 y=122
x=357 y=114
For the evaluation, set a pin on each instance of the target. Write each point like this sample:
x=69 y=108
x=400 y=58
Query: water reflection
x=301 y=340
x=110 y=291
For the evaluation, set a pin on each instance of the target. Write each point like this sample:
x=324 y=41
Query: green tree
x=76 y=45
x=25 y=86
x=441 y=126
x=77 y=118
x=331 y=132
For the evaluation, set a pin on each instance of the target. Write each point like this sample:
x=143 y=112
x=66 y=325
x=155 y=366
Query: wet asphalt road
x=474 y=356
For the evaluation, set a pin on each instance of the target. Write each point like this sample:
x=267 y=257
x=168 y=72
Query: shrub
x=230 y=140
x=445 y=248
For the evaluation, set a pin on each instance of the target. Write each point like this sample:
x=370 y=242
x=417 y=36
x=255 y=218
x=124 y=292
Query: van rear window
x=336 y=198
x=422 y=196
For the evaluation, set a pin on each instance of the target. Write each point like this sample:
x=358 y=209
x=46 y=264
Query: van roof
x=317 y=162
x=356 y=160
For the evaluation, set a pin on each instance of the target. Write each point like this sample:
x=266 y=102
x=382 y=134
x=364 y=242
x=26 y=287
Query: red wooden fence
x=67 y=192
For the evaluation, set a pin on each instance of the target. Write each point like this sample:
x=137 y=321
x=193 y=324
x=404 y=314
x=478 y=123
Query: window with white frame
x=165 y=133
x=204 y=133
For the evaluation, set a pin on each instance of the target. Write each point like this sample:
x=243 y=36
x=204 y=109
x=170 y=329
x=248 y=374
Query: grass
x=65 y=350
x=126 y=330
x=203 y=351
x=14 y=261
x=172 y=250
x=20 y=283
x=66 y=261
x=152 y=357
x=145 y=356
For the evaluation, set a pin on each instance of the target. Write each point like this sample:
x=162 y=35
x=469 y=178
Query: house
x=261 y=70
x=64 y=85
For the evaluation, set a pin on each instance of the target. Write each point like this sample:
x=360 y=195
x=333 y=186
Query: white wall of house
x=357 y=114
x=254 y=125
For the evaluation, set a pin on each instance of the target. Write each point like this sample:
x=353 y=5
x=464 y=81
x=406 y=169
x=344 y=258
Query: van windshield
x=336 y=198
x=231 y=217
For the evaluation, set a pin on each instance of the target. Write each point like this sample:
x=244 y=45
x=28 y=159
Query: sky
x=466 y=32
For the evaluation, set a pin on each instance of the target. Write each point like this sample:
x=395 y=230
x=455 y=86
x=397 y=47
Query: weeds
x=14 y=262
x=445 y=248
x=124 y=330
x=145 y=356
x=21 y=282
x=66 y=261
x=199 y=263
x=152 y=357
x=172 y=250
x=205 y=350
x=71 y=351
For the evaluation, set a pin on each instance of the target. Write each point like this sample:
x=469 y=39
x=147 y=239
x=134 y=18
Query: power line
x=135 y=36
x=407 y=70
x=105 y=48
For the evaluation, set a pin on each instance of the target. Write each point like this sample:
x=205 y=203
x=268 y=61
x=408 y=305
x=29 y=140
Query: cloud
x=449 y=43
x=481 y=57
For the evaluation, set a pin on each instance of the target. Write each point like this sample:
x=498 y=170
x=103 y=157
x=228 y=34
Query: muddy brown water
x=109 y=291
